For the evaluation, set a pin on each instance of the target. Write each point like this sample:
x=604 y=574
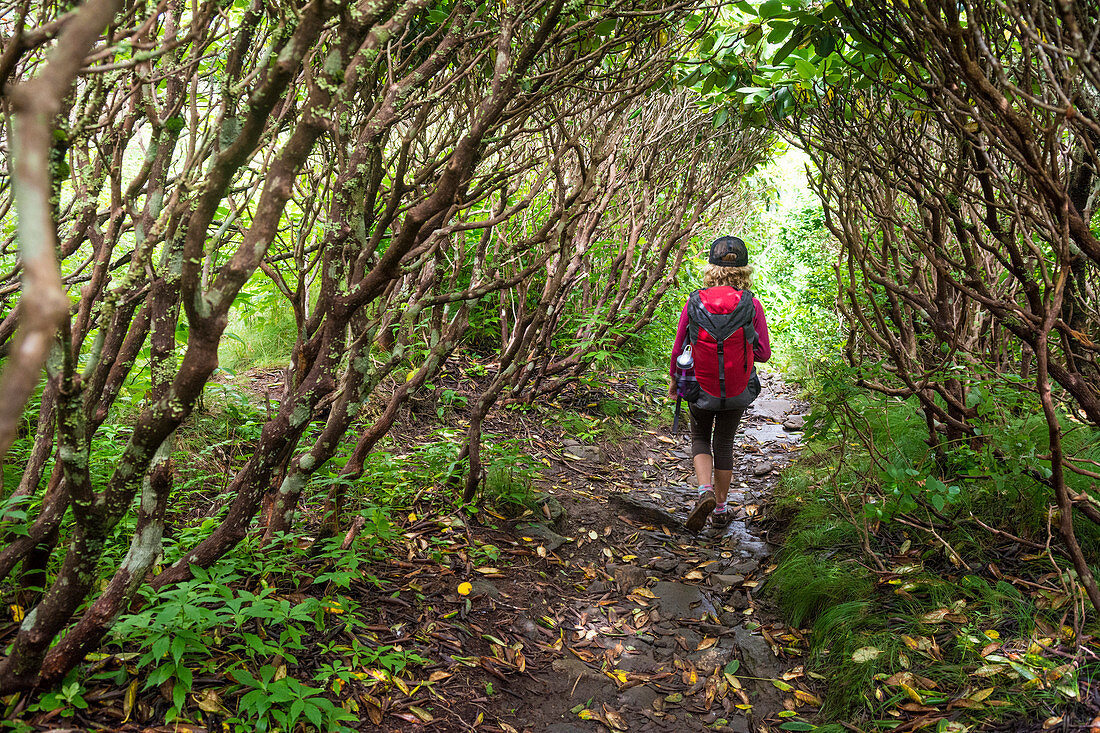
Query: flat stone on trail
x=755 y=653
x=677 y=600
x=583 y=452
x=727 y=581
x=772 y=408
x=574 y=668
x=762 y=469
x=645 y=510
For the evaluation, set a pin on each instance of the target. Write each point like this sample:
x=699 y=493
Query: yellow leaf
x=982 y=694
x=401 y=686
x=421 y=713
x=808 y=697
x=131 y=698
x=488 y=571
x=706 y=643
x=464 y=588
x=17 y=613
x=694 y=575
x=913 y=694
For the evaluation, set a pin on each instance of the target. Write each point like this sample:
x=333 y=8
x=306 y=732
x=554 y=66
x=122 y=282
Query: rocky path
x=668 y=633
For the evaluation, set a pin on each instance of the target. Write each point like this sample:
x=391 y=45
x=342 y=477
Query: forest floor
x=603 y=613
x=586 y=607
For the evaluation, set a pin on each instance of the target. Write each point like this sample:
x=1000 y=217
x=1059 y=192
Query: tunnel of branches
x=408 y=181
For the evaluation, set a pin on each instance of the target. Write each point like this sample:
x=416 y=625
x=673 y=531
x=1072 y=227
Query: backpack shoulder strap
x=746 y=312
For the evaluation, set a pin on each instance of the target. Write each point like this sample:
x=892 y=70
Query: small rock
x=677 y=600
x=727 y=581
x=795 y=422
x=763 y=469
x=527 y=627
x=627 y=576
x=644 y=510
x=638 y=698
x=552 y=510
x=638 y=662
x=585 y=453
x=597 y=586
x=574 y=668
x=738 y=600
x=690 y=639
x=756 y=655
x=664 y=564
x=484 y=588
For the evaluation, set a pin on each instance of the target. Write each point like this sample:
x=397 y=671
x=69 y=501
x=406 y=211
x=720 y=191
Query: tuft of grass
x=1000 y=641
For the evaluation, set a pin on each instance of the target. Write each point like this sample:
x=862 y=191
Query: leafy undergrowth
x=410 y=619
x=933 y=599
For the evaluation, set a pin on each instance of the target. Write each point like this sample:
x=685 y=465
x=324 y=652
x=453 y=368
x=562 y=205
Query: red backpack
x=720 y=326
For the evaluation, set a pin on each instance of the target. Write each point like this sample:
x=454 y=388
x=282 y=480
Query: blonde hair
x=738 y=278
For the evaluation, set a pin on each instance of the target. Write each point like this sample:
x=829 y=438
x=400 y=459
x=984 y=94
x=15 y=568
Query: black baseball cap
x=729 y=252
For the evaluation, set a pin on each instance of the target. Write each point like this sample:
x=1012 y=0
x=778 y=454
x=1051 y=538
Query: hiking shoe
x=722 y=519
x=703 y=507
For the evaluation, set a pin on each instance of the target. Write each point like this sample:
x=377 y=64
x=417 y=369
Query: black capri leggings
x=723 y=426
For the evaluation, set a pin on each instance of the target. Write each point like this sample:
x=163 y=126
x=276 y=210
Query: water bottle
x=685 y=363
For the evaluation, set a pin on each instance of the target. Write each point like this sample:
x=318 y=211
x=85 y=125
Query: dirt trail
x=666 y=632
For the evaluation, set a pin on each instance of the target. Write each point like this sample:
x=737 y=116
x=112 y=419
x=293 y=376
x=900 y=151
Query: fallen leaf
x=982 y=694
x=943 y=614
x=808 y=698
x=706 y=643
x=422 y=714
x=865 y=654
x=464 y=588
x=988 y=670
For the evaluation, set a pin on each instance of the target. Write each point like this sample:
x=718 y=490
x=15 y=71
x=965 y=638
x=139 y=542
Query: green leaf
x=606 y=27
x=805 y=69
x=796 y=725
x=772 y=9
x=787 y=48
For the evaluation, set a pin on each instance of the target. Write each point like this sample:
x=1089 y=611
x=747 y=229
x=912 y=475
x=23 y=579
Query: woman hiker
x=725 y=325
